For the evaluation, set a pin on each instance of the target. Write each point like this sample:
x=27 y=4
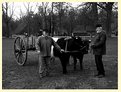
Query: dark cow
x=75 y=47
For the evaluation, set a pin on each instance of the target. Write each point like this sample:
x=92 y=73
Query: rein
x=76 y=51
x=73 y=51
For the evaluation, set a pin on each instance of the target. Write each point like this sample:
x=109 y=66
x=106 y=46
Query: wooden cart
x=22 y=45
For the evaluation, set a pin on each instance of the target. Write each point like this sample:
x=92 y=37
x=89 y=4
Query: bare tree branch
x=115 y=6
x=21 y=13
x=3 y=7
x=101 y=6
x=12 y=11
x=35 y=7
x=25 y=6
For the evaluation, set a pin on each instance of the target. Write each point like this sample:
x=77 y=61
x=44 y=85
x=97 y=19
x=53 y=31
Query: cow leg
x=81 y=61
x=75 y=62
x=64 y=61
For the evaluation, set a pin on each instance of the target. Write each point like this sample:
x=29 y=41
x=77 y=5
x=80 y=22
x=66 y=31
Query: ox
x=75 y=47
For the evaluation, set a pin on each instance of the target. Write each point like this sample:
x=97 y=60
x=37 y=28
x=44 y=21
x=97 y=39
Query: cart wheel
x=20 y=51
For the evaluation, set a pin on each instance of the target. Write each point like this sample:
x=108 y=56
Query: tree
x=62 y=11
x=59 y=7
x=51 y=19
x=87 y=16
x=28 y=11
x=7 y=15
x=108 y=8
x=43 y=12
x=94 y=12
x=72 y=15
x=29 y=17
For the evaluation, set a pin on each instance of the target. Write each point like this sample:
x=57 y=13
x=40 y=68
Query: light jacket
x=44 y=44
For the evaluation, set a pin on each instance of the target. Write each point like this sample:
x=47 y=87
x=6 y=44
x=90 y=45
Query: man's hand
x=38 y=51
x=62 y=51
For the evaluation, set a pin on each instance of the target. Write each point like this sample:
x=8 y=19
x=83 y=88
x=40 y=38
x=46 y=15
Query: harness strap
x=75 y=51
x=66 y=45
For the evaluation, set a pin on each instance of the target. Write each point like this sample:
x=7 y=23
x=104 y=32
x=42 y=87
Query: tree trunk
x=43 y=22
x=108 y=24
x=7 y=21
x=60 y=21
x=108 y=9
x=95 y=13
x=52 y=30
x=7 y=27
x=60 y=16
x=70 y=26
x=109 y=18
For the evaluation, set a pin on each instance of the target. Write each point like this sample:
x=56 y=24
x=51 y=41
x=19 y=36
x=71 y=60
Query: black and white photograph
x=59 y=45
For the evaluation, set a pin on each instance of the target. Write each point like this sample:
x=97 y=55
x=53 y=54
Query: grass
x=26 y=77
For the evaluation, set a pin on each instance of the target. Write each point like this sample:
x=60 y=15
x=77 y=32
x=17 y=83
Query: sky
x=20 y=8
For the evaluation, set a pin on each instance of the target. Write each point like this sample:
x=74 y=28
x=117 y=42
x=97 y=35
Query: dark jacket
x=44 y=45
x=99 y=42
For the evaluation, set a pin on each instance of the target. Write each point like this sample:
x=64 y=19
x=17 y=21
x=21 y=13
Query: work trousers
x=44 y=65
x=99 y=64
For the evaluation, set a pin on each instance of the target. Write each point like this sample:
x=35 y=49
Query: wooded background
x=60 y=18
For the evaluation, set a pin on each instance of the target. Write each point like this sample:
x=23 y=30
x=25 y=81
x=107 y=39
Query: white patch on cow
x=52 y=51
x=55 y=39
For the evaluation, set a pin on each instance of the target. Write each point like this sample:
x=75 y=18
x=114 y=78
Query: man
x=99 y=49
x=44 y=44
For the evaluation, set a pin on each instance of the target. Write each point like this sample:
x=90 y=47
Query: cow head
x=77 y=44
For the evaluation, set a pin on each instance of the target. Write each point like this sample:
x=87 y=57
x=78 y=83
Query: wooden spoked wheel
x=20 y=51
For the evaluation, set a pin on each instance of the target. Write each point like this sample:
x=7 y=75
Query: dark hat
x=98 y=25
x=46 y=30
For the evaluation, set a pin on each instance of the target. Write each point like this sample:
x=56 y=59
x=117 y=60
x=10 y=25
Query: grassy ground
x=26 y=77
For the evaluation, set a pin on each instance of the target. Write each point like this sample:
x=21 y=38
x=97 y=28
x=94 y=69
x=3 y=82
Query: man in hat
x=99 y=49
x=44 y=44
